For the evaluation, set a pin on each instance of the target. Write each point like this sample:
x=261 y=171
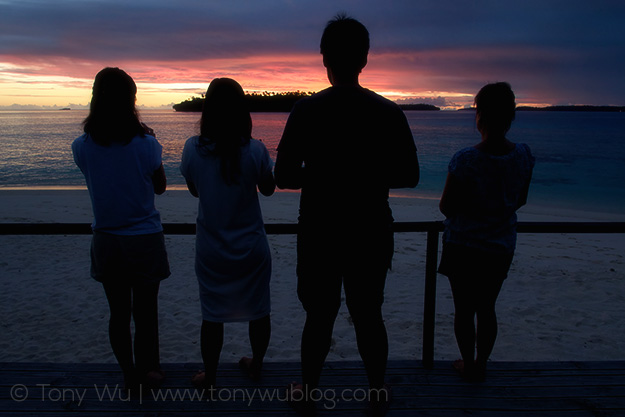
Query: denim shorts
x=134 y=259
x=466 y=263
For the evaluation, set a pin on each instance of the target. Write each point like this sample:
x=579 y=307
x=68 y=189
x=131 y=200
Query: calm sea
x=580 y=156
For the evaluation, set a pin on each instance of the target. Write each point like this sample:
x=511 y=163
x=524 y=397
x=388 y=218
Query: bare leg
x=120 y=305
x=316 y=342
x=464 y=330
x=364 y=297
x=145 y=314
x=212 y=340
x=372 y=341
x=464 y=324
x=486 y=324
x=259 y=333
x=469 y=302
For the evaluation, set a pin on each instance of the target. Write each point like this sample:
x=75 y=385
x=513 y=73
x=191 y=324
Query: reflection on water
x=580 y=156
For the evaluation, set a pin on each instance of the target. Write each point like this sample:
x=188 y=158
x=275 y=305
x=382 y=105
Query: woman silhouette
x=122 y=166
x=485 y=186
x=224 y=167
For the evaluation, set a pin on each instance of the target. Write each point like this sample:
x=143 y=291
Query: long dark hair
x=113 y=115
x=226 y=126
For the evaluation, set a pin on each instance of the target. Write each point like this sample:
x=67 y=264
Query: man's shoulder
x=377 y=97
x=360 y=95
x=318 y=97
x=371 y=99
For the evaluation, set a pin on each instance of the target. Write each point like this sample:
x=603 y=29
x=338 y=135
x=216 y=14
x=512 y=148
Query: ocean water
x=580 y=156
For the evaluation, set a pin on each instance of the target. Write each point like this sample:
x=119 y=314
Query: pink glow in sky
x=552 y=52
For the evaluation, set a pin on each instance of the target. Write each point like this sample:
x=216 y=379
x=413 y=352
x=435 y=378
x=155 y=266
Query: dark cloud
x=571 y=48
x=155 y=30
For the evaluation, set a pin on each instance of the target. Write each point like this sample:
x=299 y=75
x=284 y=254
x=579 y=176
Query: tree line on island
x=575 y=108
x=283 y=102
x=275 y=102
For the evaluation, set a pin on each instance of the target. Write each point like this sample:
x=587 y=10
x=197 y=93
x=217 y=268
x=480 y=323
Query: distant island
x=263 y=102
x=567 y=108
x=275 y=102
x=573 y=108
x=419 y=107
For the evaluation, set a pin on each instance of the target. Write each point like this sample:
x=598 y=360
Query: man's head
x=345 y=45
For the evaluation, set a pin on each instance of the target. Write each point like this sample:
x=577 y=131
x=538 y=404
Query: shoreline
x=564 y=298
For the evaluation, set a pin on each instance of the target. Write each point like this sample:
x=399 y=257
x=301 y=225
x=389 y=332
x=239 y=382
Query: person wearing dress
x=121 y=161
x=224 y=166
x=486 y=184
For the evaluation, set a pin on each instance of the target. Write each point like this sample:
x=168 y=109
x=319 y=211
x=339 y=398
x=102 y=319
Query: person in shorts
x=486 y=184
x=121 y=161
x=345 y=147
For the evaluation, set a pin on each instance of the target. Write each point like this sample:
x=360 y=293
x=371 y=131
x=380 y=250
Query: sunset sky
x=439 y=52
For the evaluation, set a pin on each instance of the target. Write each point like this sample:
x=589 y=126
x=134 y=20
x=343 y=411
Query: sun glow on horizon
x=161 y=84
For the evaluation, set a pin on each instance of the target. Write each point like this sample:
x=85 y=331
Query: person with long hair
x=224 y=166
x=121 y=161
x=486 y=184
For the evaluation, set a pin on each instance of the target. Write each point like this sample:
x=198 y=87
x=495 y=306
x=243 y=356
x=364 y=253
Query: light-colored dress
x=233 y=260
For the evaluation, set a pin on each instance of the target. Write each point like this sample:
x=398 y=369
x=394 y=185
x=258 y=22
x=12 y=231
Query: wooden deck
x=512 y=389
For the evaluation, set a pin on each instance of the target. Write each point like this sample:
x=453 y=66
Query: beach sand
x=564 y=298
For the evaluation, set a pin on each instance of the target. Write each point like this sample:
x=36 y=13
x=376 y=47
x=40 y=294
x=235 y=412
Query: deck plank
x=522 y=389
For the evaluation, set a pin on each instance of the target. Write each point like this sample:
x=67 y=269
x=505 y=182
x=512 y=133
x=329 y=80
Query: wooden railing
x=431 y=228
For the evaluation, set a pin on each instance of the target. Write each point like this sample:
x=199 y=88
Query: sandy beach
x=564 y=298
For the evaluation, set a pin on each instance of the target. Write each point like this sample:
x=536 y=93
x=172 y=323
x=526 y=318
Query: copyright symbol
x=19 y=393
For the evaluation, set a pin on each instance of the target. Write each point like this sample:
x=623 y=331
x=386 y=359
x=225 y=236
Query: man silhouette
x=345 y=147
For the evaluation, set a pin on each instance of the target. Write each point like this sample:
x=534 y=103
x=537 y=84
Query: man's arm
x=289 y=169
x=289 y=172
x=403 y=167
x=405 y=171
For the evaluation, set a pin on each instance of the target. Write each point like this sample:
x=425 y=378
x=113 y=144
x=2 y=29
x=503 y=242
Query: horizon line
x=56 y=107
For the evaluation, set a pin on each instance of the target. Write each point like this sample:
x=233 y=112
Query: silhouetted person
x=485 y=186
x=223 y=168
x=122 y=166
x=345 y=147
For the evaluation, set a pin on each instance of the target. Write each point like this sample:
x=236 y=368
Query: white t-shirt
x=119 y=179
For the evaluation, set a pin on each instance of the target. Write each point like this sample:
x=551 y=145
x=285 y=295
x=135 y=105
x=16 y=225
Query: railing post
x=429 y=299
